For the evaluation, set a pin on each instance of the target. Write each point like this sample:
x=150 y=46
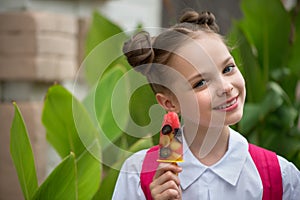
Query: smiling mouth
x=227 y=105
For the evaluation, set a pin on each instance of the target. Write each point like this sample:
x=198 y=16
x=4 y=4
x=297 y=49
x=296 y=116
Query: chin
x=234 y=119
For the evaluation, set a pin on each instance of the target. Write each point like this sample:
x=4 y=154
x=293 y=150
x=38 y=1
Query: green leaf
x=273 y=99
x=101 y=29
x=104 y=47
x=258 y=112
x=110 y=117
x=22 y=155
x=61 y=183
x=108 y=184
x=141 y=101
x=294 y=61
x=58 y=119
x=266 y=25
x=263 y=39
x=70 y=129
x=250 y=119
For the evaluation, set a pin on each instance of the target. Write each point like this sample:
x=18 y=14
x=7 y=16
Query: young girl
x=192 y=73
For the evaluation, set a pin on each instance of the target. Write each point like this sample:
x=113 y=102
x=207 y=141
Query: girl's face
x=211 y=91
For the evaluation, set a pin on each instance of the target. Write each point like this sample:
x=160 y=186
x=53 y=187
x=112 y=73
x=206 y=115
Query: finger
x=163 y=167
x=165 y=177
x=160 y=188
x=167 y=194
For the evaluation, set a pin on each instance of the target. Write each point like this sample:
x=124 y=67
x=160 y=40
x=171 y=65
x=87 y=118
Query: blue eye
x=228 y=69
x=201 y=83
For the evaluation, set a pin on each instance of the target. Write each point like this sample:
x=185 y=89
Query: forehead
x=202 y=54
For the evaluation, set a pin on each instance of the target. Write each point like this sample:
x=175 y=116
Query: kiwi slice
x=165 y=152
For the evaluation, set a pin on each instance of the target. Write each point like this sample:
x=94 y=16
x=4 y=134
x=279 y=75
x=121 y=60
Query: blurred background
x=44 y=43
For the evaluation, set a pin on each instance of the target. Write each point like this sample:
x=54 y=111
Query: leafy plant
x=268 y=44
x=60 y=184
x=65 y=120
x=85 y=134
x=22 y=155
x=113 y=117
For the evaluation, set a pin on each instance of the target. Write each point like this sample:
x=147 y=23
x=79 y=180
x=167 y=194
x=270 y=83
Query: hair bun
x=203 y=19
x=138 y=50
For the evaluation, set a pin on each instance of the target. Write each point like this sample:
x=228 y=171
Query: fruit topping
x=165 y=152
x=166 y=129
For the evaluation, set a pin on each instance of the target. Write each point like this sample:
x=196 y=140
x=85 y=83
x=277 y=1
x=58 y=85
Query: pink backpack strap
x=265 y=161
x=269 y=170
x=149 y=167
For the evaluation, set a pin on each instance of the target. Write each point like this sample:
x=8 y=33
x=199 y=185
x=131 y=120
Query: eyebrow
x=203 y=74
x=197 y=76
x=226 y=60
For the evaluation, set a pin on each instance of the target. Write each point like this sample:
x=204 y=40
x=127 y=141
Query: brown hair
x=145 y=53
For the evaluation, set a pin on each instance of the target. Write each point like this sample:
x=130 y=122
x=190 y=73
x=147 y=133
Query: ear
x=168 y=102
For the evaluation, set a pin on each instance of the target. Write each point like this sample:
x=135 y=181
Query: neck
x=207 y=144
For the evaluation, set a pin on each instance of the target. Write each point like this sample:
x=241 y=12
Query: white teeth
x=226 y=105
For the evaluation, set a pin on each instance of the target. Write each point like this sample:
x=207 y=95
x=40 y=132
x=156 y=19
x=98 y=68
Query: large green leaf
x=266 y=25
x=99 y=104
x=258 y=112
x=294 y=61
x=108 y=183
x=250 y=119
x=61 y=183
x=263 y=39
x=58 y=119
x=103 y=47
x=22 y=155
x=101 y=29
x=70 y=129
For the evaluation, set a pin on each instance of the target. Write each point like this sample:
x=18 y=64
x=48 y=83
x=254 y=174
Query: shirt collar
x=234 y=158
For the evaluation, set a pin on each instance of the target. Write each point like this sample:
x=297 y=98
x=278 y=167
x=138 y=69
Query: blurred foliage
x=267 y=41
x=268 y=45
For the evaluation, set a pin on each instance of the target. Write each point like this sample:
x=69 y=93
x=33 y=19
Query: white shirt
x=233 y=177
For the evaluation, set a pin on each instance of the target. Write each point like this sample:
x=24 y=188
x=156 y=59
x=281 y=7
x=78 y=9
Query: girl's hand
x=166 y=184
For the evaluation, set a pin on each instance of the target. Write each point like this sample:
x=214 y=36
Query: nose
x=224 y=87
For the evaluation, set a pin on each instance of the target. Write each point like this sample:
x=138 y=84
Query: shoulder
x=133 y=164
x=128 y=181
x=290 y=179
x=290 y=175
x=286 y=166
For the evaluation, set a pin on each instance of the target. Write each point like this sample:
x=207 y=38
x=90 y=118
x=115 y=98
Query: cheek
x=189 y=104
x=241 y=86
x=240 y=80
x=205 y=100
x=194 y=105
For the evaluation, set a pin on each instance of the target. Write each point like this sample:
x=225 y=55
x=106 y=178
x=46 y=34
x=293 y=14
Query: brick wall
x=36 y=50
x=37 y=46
